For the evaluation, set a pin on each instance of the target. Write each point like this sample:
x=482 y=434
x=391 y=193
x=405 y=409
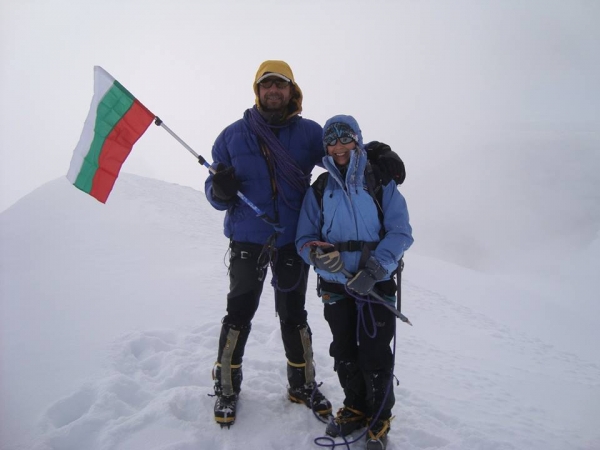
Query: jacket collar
x=355 y=172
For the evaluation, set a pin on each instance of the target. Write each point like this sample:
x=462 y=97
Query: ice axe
x=376 y=298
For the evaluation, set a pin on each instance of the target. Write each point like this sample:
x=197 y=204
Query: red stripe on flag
x=116 y=148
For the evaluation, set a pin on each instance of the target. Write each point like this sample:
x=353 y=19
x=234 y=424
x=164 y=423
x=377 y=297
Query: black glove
x=389 y=163
x=363 y=282
x=330 y=262
x=224 y=183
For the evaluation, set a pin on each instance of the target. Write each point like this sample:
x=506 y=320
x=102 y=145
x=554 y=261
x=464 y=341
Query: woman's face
x=341 y=152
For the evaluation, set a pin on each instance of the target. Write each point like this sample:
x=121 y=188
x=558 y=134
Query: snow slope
x=110 y=314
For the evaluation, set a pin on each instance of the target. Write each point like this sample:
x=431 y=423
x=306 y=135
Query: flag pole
x=200 y=159
x=261 y=214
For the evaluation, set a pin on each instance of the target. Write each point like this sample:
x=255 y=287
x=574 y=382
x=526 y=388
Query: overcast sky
x=474 y=95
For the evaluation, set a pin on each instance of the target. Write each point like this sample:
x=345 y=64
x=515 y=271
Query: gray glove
x=330 y=262
x=363 y=282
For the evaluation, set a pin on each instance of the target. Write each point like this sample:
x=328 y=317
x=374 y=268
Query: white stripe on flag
x=103 y=81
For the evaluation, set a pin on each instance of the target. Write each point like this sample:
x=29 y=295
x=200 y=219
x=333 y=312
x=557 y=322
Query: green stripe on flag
x=111 y=109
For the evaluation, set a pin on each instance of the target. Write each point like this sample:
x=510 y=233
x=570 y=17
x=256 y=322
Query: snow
x=110 y=315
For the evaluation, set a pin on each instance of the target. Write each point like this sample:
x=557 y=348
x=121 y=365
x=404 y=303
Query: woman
x=355 y=245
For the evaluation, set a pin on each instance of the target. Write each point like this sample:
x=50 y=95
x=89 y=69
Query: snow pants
x=363 y=359
x=246 y=280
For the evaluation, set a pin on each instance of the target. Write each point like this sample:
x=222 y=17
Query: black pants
x=364 y=362
x=290 y=274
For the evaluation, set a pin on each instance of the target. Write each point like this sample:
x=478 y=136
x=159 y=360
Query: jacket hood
x=281 y=68
x=347 y=120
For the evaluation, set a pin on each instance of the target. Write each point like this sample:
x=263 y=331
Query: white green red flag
x=114 y=124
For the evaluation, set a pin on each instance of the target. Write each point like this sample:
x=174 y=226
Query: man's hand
x=224 y=183
x=388 y=162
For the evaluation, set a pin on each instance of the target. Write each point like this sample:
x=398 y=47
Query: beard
x=274 y=103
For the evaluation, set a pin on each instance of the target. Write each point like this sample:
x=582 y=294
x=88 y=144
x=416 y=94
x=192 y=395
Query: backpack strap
x=319 y=187
x=375 y=189
x=354 y=246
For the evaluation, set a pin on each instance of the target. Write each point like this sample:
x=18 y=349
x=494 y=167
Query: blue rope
x=361 y=319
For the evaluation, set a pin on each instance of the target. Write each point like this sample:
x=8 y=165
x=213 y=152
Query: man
x=268 y=155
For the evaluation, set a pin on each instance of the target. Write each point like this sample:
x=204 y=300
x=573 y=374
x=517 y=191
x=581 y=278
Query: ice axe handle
x=374 y=295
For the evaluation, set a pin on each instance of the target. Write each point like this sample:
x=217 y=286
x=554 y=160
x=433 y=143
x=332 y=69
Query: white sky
x=494 y=103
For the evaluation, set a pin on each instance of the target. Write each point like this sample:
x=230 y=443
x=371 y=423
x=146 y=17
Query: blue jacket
x=237 y=146
x=350 y=213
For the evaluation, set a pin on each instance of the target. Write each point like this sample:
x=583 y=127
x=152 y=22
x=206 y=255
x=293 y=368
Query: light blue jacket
x=350 y=213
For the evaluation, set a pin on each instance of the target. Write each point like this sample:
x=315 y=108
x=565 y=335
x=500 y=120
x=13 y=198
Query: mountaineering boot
x=380 y=394
x=225 y=404
x=345 y=422
x=380 y=401
x=306 y=391
x=377 y=435
x=353 y=382
x=227 y=373
x=311 y=396
x=297 y=341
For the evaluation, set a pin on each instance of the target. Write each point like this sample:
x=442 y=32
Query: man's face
x=274 y=94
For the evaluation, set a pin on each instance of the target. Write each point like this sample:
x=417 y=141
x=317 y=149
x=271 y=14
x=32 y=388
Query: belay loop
x=269 y=256
x=268 y=252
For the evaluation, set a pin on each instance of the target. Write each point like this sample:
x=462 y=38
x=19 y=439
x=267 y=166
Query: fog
x=493 y=106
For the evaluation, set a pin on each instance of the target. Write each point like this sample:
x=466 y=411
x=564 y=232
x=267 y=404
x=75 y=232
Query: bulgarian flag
x=115 y=122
